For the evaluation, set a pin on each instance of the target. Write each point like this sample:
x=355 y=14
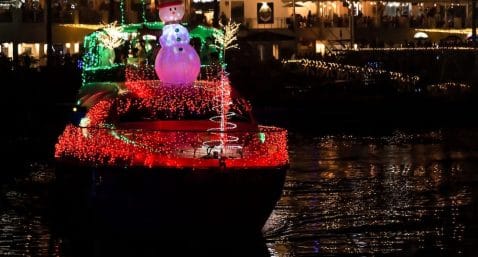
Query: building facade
x=317 y=26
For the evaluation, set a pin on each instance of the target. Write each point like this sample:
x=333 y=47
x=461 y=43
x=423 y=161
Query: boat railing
x=263 y=146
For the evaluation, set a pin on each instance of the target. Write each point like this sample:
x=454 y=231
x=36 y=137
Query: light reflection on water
x=404 y=194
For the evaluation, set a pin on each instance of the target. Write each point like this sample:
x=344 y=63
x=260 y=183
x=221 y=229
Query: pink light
x=177 y=64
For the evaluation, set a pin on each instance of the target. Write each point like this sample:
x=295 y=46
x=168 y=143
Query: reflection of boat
x=149 y=156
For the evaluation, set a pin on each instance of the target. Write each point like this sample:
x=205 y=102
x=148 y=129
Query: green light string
x=123 y=15
x=143 y=9
x=92 y=58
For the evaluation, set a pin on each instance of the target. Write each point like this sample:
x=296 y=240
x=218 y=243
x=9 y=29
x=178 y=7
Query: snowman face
x=171 y=13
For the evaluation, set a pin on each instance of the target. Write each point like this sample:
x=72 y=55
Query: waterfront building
x=276 y=28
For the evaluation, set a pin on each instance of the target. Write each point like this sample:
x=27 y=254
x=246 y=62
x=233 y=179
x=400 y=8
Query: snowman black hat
x=166 y=3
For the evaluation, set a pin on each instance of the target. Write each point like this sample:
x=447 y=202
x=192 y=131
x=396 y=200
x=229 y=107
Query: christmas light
x=169 y=141
x=141 y=121
x=81 y=26
x=173 y=149
x=143 y=11
x=448 y=87
x=227 y=39
x=447 y=31
x=112 y=36
x=122 y=12
x=307 y=64
x=224 y=41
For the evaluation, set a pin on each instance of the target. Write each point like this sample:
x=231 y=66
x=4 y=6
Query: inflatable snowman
x=177 y=62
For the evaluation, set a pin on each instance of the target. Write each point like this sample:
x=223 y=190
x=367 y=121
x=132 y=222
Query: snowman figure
x=177 y=62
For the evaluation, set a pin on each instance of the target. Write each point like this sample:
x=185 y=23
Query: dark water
x=395 y=194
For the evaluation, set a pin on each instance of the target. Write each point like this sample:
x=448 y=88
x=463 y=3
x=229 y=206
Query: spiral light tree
x=224 y=40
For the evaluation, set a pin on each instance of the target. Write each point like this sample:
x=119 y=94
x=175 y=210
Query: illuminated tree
x=225 y=40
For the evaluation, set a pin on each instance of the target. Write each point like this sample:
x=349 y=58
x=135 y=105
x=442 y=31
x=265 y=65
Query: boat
x=147 y=155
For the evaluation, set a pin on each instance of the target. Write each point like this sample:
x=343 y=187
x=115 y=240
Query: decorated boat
x=163 y=143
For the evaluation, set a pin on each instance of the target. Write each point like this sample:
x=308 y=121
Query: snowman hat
x=166 y=3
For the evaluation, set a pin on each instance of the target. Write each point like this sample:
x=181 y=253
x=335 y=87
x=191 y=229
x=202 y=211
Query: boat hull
x=172 y=202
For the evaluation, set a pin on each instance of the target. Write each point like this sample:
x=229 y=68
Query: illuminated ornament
x=177 y=62
x=265 y=13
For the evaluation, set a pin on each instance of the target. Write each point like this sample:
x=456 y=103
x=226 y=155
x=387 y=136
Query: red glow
x=156 y=125
x=151 y=148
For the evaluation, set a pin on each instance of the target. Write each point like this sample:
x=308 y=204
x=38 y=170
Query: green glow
x=102 y=68
x=96 y=69
x=206 y=36
x=202 y=33
x=262 y=137
x=123 y=14
x=143 y=11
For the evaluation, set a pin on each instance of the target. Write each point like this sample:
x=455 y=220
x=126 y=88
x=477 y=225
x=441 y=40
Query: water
x=398 y=193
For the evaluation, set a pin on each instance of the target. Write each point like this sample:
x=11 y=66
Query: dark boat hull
x=172 y=202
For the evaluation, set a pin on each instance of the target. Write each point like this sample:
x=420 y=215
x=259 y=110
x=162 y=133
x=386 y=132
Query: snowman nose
x=174 y=12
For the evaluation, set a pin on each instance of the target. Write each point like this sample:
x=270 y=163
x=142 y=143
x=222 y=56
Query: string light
x=356 y=70
x=143 y=11
x=224 y=41
x=123 y=12
x=165 y=148
x=144 y=122
x=168 y=143
x=448 y=87
x=81 y=26
x=112 y=36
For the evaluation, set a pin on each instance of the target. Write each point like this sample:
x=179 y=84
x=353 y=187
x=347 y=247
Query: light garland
x=447 y=87
x=122 y=12
x=82 y=26
x=173 y=149
x=155 y=100
x=152 y=145
x=356 y=70
x=143 y=11
x=412 y=49
x=447 y=31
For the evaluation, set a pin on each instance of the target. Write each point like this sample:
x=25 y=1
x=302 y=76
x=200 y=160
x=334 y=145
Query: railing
x=260 y=147
x=279 y=23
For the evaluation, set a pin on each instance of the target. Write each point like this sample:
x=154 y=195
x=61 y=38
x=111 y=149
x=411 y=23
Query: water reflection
x=405 y=194
x=26 y=229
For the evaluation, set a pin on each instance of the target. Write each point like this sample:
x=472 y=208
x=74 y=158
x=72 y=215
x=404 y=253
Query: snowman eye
x=175 y=8
x=170 y=9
